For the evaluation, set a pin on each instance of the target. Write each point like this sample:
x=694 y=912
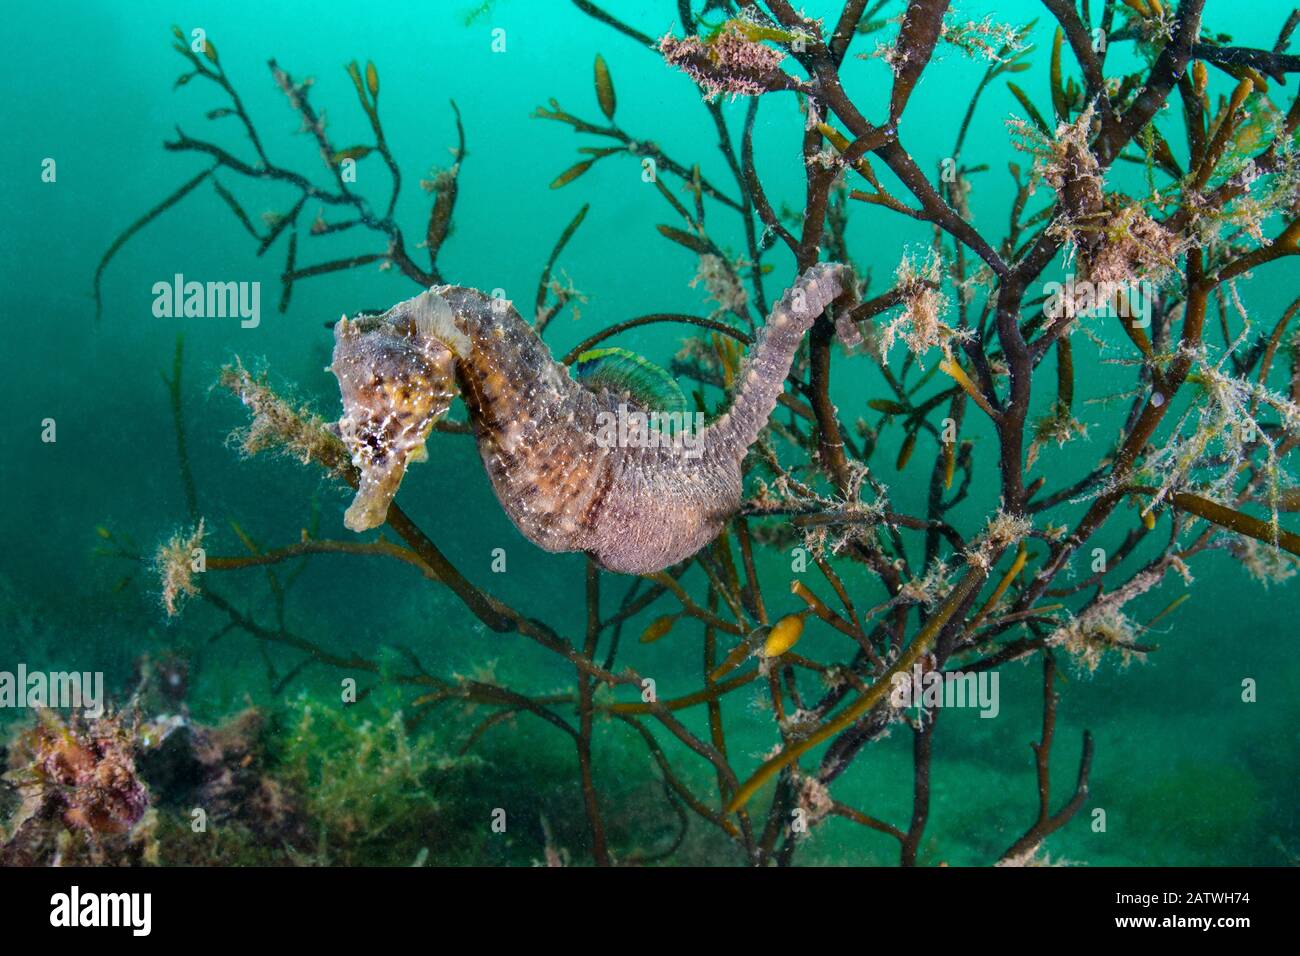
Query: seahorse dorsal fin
x=625 y=373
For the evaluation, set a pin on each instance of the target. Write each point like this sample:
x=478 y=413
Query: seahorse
x=635 y=507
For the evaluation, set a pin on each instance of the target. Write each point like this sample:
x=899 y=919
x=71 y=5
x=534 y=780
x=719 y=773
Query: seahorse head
x=396 y=374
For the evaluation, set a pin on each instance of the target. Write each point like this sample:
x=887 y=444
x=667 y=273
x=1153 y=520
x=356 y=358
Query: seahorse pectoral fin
x=623 y=372
x=395 y=384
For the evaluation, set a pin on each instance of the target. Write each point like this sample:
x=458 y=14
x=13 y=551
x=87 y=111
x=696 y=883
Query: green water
x=1186 y=772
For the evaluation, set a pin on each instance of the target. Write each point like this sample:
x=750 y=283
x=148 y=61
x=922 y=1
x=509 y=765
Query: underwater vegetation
x=775 y=519
x=72 y=781
x=127 y=789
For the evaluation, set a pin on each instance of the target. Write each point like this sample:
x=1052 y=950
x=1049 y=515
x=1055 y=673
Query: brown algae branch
x=965 y=589
x=857 y=816
x=690 y=607
x=323 y=546
x=682 y=791
x=187 y=188
x=714 y=692
x=314 y=651
x=1231 y=519
x=1022 y=555
x=1153 y=412
x=173 y=383
x=1047 y=822
x=599 y=847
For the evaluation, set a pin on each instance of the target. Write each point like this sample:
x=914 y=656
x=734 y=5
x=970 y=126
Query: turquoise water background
x=1186 y=771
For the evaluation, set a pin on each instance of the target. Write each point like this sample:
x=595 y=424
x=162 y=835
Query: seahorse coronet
x=564 y=465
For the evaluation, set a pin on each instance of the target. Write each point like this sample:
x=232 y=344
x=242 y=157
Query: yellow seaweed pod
x=731 y=661
x=604 y=88
x=785 y=635
x=888 y=406
x=658 y=628
x=572 y=173
x=905 y=453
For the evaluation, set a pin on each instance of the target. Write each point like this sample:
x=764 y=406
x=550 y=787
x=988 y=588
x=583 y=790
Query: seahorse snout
x=394 y=387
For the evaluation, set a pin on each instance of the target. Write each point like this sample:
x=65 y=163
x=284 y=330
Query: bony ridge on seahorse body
x=636 y=507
